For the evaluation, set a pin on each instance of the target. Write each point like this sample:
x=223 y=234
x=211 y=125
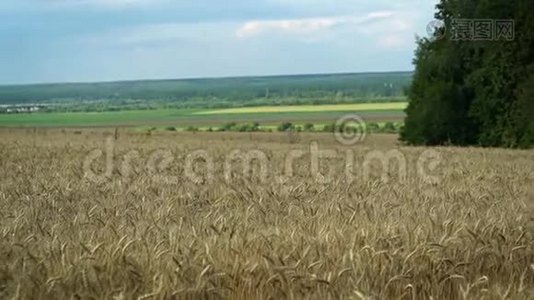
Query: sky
x=43 y=41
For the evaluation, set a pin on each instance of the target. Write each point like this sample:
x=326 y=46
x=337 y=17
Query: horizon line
x=200 y=78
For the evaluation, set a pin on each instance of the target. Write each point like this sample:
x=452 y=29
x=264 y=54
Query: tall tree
x=474 y=92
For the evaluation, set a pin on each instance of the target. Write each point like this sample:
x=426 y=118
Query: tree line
x=212 y=93
x=470 y=88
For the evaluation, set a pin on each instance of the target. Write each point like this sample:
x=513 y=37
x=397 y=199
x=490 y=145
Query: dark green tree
x=474 y=92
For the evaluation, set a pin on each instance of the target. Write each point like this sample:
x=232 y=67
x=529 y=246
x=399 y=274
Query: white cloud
x=397 y=32
x=305 y=26
x=254 y=28
x=383 y=29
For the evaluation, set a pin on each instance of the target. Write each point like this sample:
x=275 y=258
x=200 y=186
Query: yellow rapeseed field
x=359 y=107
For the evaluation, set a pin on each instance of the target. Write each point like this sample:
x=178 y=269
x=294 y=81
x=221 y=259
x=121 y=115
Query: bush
x=229 y=126
x=286 y=126
x=255 y=126
x=248 y=127
x=389 y=127
x=329 y=128
x=244 y=128
x=170 y=128
x=309 y=127
x=373 y=127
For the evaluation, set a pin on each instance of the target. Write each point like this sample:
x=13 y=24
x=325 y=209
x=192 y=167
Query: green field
x=320 y=114
x=90 y=118
x=357 y=107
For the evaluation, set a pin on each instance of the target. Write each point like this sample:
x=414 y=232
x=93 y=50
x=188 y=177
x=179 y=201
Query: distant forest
x=212 y=93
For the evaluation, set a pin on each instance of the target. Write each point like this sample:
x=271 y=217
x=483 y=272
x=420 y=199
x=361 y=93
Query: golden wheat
x=135 y=236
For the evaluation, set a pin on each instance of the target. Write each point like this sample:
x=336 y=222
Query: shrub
x=373 y=127
x=255 y=126
x=286 y=126
x=229 y=126
x=329 y=128
x=309 y=127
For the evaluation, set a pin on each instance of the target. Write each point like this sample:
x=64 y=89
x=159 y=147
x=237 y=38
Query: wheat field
x=145 y=230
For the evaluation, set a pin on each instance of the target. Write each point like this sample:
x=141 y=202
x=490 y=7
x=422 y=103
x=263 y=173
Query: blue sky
x=105 y=40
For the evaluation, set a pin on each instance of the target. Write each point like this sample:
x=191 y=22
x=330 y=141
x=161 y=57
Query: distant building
x=22 y=109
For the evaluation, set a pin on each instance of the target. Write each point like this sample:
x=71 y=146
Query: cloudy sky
x=103 y=40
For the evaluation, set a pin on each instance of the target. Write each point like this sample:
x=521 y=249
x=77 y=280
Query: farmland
x=218 y=197
x=359 y=107
x=211 y=92
x=156 y=150
x=98 y=213
x=207 y=117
